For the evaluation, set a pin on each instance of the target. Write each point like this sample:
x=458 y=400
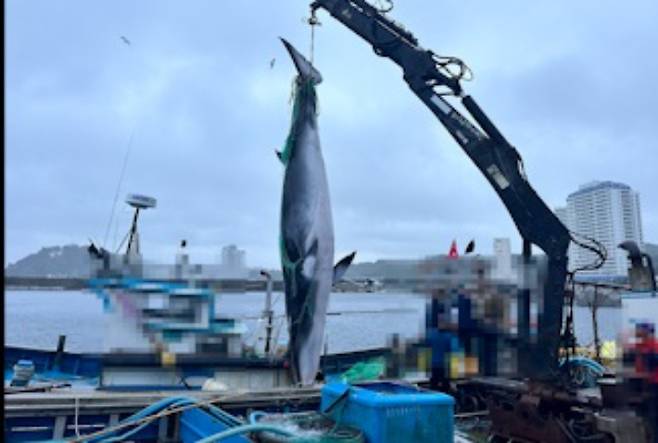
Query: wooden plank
x=54 y=404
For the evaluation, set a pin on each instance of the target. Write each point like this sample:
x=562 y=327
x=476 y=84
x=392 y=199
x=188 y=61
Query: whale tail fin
x=304 y=67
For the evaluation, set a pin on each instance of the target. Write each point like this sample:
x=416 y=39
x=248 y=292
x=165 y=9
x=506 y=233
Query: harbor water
x=356 y=320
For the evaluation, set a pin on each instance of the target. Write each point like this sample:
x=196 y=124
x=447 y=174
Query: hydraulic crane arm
x=499 y=161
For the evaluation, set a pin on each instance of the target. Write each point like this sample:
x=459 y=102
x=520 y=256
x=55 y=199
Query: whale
x=306 y=228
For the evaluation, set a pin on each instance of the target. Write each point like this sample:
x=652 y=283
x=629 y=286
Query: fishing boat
x=164 y=331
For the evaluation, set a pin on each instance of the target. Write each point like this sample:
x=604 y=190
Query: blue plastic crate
x=196 y=424
x=389 y=412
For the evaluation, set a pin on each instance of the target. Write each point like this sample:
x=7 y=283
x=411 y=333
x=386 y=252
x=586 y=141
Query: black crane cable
x=598 y=248
x=567 y=336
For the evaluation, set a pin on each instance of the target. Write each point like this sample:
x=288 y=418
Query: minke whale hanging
x=306 y=237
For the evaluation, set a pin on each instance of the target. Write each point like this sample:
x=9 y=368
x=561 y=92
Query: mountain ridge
x=69 y=261
x=72 y=261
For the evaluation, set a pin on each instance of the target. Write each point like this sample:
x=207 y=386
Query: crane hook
x=313 y=22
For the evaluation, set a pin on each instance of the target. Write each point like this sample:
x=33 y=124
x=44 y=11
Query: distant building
x=608 y=212
x=440 y=270
x=502 y=268
x=233 y=262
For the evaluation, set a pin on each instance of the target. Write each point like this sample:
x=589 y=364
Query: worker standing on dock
x=440 y=338
x=646 y=365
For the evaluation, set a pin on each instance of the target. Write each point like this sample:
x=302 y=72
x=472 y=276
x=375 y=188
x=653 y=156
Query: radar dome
x=141 y=201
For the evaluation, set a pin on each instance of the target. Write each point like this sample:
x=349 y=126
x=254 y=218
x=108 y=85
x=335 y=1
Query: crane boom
x=494 y=156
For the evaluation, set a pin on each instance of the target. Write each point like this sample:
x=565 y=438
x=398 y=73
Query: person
x=645 y=353
x=441 y=344
x=439 y=334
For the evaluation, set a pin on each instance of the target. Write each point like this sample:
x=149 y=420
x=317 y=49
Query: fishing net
x=364 y=371
x=308 y=427
x=307 y=88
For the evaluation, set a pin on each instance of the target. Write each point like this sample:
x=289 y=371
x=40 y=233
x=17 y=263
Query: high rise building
x=608 y=212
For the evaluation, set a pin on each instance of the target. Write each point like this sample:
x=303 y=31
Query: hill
x=54 y=261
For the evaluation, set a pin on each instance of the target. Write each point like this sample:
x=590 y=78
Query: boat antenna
x=118 y=190
x=123 y=171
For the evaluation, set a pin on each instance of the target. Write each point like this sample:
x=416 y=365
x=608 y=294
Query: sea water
x=356 y=320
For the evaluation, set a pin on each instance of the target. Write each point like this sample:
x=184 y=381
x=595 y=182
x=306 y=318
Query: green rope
x=285 y=259
x=307 y=87
x=291 y=266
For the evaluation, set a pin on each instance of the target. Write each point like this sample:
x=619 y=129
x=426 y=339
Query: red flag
x=453 y=250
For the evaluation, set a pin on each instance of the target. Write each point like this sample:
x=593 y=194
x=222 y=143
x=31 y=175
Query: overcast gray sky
x=570 y=84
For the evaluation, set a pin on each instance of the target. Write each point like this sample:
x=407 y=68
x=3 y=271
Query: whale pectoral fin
x=342 y=265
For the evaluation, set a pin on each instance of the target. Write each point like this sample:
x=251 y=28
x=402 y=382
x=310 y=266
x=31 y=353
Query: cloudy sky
x=571 y=84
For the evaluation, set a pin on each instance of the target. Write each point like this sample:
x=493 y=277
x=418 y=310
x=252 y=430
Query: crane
x=433 y=79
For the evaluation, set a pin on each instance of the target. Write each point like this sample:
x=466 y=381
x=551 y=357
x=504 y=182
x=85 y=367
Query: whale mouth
x=304 y=68
x=305 y=366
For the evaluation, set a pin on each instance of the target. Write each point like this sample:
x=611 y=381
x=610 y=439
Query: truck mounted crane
x=544 y=408
x=433 y=78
